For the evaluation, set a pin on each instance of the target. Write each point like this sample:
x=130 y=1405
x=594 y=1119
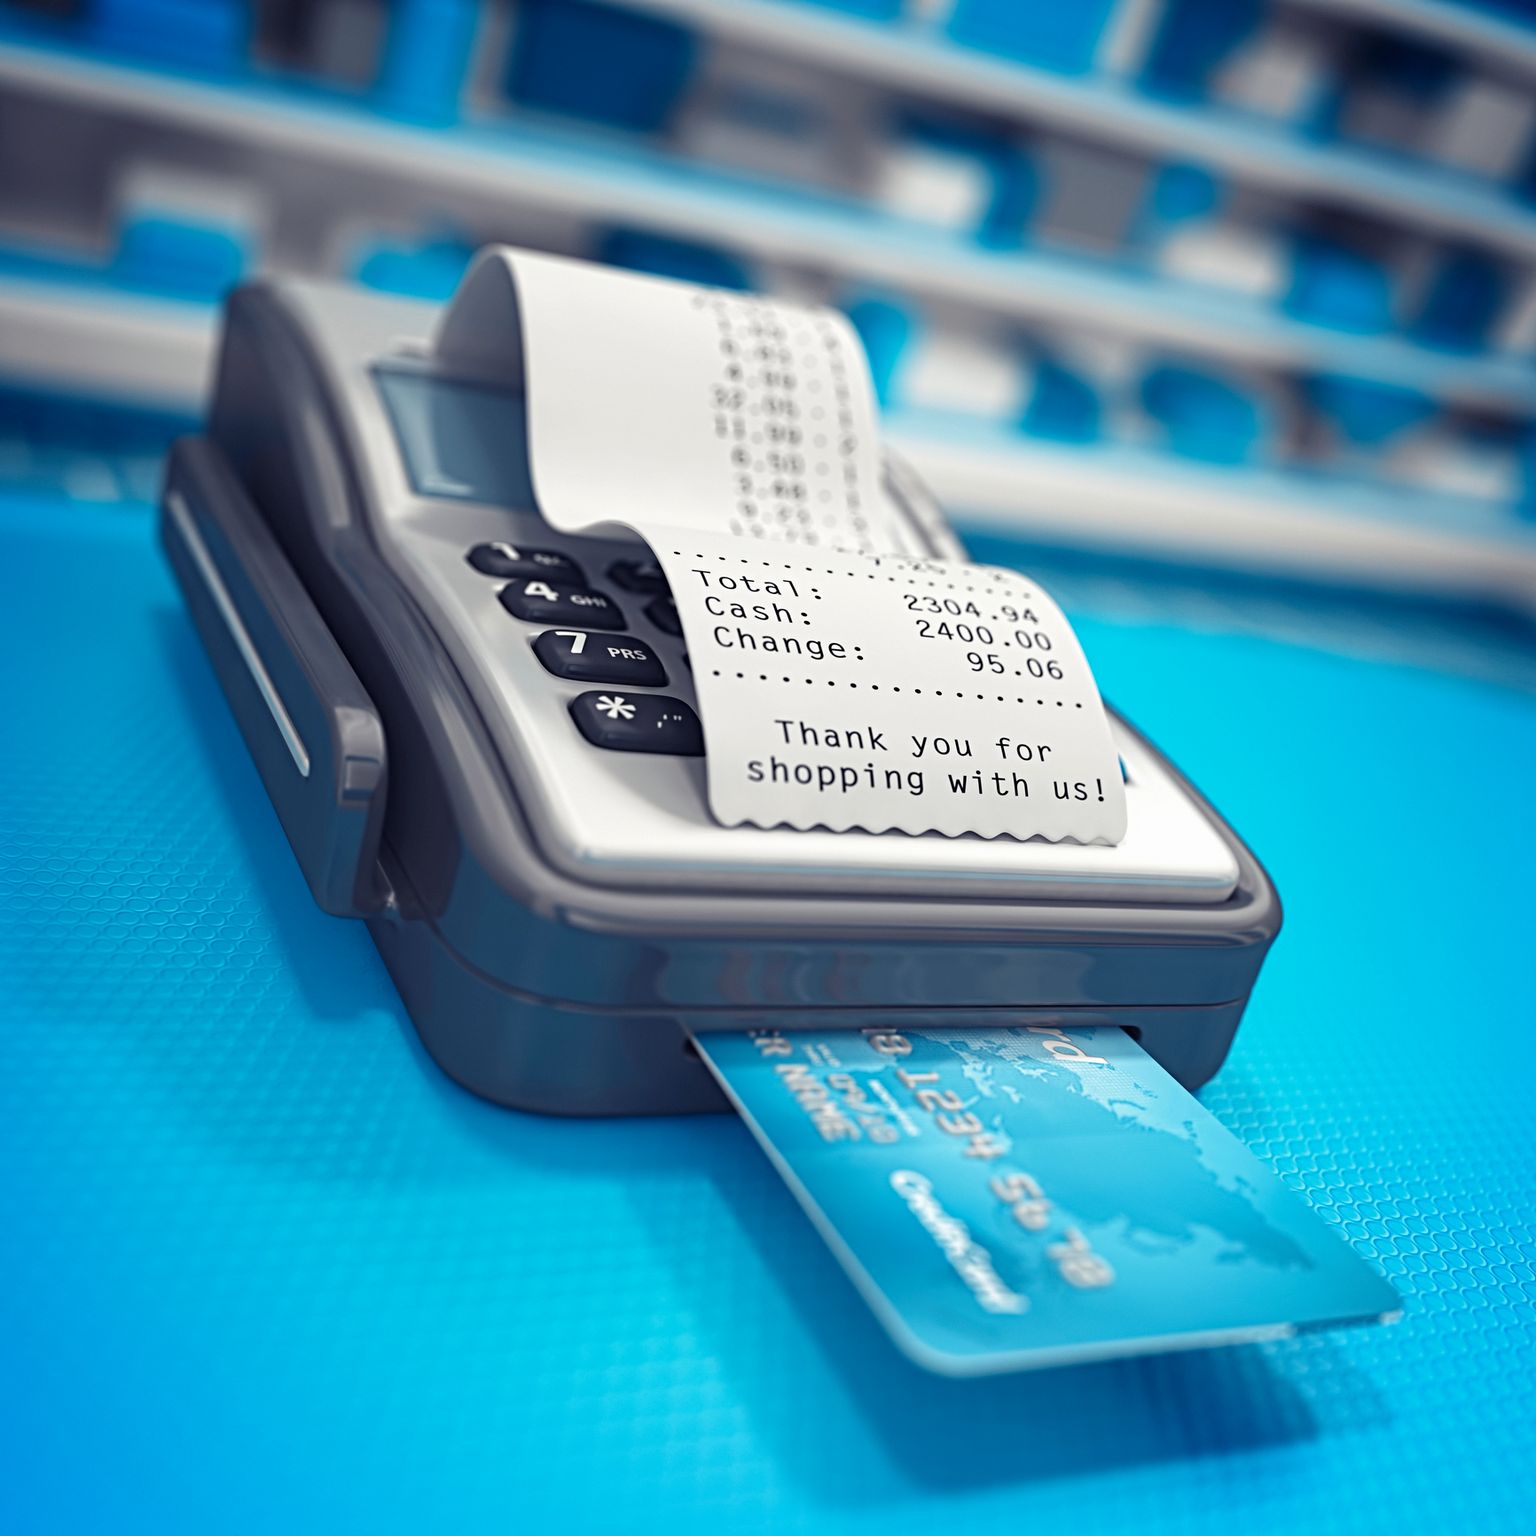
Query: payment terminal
x=482 y=738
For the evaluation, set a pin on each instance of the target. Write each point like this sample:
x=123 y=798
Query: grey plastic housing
x=311 y=728
x=541 y=990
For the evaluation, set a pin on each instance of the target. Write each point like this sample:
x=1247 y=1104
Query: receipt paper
x=880 y=691
x=662 y=404
x=844 y=680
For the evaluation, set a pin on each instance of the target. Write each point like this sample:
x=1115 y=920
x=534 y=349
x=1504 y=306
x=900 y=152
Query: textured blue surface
x=265 y=1269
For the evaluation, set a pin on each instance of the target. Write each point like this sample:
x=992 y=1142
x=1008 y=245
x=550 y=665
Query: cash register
x=415 y=657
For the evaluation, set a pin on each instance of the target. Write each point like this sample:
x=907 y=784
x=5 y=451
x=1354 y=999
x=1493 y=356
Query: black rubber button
x=638 y=722
x=662 y=612
x=540 y=601
x=639 y=576
x=501 y=559
x=585 y=658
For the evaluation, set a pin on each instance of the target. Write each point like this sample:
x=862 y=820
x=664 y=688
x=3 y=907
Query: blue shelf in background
x=608 y=181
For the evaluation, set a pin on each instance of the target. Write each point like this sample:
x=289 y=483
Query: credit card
x=1033 y=1196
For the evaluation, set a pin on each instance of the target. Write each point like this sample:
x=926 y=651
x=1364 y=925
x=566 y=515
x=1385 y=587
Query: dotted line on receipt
x=938 y=693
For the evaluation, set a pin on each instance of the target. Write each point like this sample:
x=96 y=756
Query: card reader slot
x=311 y=728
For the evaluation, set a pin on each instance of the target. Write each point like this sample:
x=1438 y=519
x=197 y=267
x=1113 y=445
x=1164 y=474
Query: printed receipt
x=843 y=680
x=885 y=692
x=663 y=404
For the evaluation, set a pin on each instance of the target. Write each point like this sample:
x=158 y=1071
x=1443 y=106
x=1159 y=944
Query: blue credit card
x=1030 y=1196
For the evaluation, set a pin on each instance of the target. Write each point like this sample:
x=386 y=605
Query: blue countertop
x=265 y=1268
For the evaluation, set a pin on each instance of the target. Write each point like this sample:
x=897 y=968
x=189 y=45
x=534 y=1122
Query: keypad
x=538 y=600
x=638 y=722
x=662 y=612
x=587 y=658
x=583 y=642
x=642 y=576
x=502 y=559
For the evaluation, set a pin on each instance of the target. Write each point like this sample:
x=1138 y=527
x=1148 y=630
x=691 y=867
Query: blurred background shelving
x=1246 y=285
